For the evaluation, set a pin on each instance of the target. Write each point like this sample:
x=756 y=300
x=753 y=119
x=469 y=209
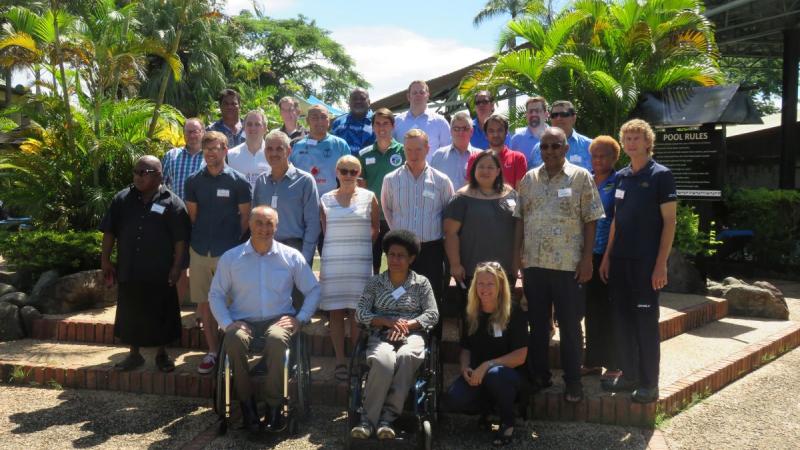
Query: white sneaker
x=385 y=430
x=362 y=430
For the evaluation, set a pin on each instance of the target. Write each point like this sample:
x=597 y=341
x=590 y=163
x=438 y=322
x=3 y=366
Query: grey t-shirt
x=487 y=229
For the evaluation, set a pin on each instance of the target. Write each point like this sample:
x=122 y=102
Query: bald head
x=556 y=132
x=149 y=162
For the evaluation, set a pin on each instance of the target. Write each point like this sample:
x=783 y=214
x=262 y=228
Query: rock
x=12 y=278
x=28 y=314
x=75 y=292
x=682 y=276
x=715 y=289
x=754 y=301
x=770 y=287
x=44 y=279
x=16 y=298
x=10 y=325
x=6 y=289
x=730 y=281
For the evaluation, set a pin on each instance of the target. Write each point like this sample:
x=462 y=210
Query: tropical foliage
x=603 y=55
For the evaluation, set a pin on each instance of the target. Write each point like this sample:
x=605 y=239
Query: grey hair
x=279 y=135
x=461 y=115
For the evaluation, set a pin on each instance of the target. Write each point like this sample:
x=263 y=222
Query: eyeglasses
x=564 y=114
x=351 y=172
x=460 y=129
x=553 y=146
x=492 y=264
x=143 y=172
x=482 y=102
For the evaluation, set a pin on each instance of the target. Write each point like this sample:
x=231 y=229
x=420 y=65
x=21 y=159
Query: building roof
x=770 y=121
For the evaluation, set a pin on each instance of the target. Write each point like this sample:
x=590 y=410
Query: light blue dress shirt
x=433 y=124
x=453 y=163
x=523 y=141
x=296 y=200
x=578 y=153
x=260 y=286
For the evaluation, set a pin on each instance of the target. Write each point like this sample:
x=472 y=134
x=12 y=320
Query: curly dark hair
x=498 y=182
x=403 y=238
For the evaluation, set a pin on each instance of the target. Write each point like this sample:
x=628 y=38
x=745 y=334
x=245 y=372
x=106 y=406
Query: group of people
x=462 y=199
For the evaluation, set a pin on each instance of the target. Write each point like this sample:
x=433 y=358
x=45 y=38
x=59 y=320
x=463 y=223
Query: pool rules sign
x=694 y=156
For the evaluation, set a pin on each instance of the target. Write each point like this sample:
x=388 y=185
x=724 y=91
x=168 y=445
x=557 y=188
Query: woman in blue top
x=599 y=325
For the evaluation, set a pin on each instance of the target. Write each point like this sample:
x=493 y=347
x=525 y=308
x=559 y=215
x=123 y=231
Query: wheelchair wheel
x=425 y=435
x=437 y=381
x=223 y=394
x=303 y=378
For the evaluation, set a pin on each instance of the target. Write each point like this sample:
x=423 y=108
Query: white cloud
x=269 y=7
x=389 y=57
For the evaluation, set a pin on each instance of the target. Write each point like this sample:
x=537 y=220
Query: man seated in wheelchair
x=397 y=307
x=258 y=277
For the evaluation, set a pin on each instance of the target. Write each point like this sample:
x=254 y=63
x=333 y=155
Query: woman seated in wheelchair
x=494 y=346
x=397 y=307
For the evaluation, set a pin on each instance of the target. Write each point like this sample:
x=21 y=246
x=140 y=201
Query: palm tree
x=514 y=8
x=604 y=55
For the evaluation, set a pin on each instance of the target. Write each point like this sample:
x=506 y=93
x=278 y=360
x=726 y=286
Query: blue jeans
x=498 y=390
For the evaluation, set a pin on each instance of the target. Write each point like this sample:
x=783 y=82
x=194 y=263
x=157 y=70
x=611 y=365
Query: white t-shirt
x=251 y=166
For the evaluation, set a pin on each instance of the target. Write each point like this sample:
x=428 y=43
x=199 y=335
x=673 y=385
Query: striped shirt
x=416 y=204
x=177 y=165
x=414 y=301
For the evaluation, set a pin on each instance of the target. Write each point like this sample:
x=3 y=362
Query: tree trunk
x=63 y=73
x=9 y=90
x=162 y=90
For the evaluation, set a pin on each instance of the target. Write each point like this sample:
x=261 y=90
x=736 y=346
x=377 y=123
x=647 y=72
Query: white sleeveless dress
x=347 y=253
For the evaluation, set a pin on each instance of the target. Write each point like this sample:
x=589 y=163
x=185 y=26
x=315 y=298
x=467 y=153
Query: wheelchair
x=296 y=401
x=423 y=398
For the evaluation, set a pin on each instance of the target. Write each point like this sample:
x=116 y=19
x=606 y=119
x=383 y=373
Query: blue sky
x=396 y=42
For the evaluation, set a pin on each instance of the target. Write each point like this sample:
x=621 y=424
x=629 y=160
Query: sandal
x=573 y=393
x=503 y=436
x=341 y=373
x=132 y=361
x=163 y=363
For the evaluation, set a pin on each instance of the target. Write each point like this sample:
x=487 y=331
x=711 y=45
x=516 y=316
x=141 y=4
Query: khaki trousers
x=236 y=344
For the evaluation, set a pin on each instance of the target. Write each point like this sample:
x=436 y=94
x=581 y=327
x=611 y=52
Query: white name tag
x=370 y=161
x=575 y=158
x=223 y=193
x=274 y=202
x=566 y=192
x=498 y=332
x=511 y=203
x=429 y=194
x=620 y=194
x=397 y=293
x=158 y=209
x=311 y=142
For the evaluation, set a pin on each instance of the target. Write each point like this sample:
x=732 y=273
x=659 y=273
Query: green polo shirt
x=375 y=165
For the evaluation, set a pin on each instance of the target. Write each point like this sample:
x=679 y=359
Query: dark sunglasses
x=482 y=102
x=564 y=114
x=554 y=146
x=143 y=172
x=351 y=172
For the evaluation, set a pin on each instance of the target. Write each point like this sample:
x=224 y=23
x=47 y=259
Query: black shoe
x=250 y=420
x=619 y=384
x=645 y=395
x=131 y=362
x=276 y=421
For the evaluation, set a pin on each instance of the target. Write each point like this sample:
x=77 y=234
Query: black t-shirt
x=146 y=233
x=483 y=345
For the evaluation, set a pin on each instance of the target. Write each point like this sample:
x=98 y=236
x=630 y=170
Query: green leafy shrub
x=689 y=239
x=774 y=217
x=38 y=251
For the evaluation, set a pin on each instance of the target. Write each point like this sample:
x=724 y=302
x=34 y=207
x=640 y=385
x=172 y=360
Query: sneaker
x=208 y=363
x=385 y=430
x=645 y=395
x=362 y=430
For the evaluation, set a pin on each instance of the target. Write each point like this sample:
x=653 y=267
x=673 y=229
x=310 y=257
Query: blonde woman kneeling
x=493 y=352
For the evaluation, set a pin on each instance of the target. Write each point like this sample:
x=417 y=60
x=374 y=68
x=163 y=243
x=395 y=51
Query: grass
x=663 y=417
x=18 y=374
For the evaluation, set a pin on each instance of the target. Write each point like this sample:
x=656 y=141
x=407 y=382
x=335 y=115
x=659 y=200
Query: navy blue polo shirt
x=217 y=227
x=638 y=200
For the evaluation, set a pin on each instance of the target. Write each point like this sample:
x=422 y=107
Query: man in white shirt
x=248 y=157
x=434 y=125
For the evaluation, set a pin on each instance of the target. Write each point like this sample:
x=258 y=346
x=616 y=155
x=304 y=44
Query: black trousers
x=377 y=248
x=636 y=312
x=546 y=290
x=600 y=341
x=430 y=263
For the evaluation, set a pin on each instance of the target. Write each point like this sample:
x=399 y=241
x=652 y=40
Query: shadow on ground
x=105 y=418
